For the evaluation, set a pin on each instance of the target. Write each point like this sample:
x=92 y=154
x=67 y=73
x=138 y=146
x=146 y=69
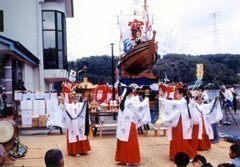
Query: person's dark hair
x=184 y=92
x=186 y=97
x=128 y=91
x=9 y=111
x=181 y=159
x=53 y=158
x=226 y=165
x=201 y=88
x=201 y=158
x=235 y=148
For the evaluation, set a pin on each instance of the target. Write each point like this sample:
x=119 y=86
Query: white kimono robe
x=57 y=116
x=209 y=117
x=135 y=112
x=76 y=126
x=171 y=112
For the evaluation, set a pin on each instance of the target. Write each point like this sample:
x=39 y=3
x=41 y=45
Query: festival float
x=139 y=48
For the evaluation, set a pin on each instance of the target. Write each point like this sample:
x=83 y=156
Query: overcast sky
x=183 y=26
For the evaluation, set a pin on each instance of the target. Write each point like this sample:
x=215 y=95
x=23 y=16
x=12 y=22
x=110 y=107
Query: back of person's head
x=54 y=158
x=222 y=87
x=200 y=158
x=234 y=151
x=226 y=165
x=201 y=88
x=182 y=91
x=181 y=159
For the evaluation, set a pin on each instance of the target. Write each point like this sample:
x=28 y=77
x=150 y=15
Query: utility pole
x=215 y=31
x=113 y=88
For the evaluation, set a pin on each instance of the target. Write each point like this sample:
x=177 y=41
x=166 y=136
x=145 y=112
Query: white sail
x=135 y=28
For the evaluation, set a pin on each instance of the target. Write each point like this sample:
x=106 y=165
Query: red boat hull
x=141 y=57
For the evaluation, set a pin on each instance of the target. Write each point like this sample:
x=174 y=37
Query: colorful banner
x=199 y=71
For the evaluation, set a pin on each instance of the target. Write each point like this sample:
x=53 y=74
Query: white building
x=33 y=44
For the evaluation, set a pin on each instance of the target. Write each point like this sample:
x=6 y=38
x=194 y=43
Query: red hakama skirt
x=79 y=147
x=195 y=139
x=178 y=144
x=205 y=143
x=128 y=152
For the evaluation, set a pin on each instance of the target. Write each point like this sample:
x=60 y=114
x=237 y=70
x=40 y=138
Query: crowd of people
x=182 y=159
x=191 y=120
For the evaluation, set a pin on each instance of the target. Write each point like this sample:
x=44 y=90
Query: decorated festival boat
x=139 y=48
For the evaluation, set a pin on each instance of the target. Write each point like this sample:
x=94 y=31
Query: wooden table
x=96 y=124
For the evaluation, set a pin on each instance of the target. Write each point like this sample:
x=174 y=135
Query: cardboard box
x=35 y=121
x=43 y=120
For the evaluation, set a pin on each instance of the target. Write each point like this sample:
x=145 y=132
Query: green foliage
x=219 y=68
x=99 y=68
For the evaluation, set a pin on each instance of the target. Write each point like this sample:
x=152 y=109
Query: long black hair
x=186 y=97
x=128 y=91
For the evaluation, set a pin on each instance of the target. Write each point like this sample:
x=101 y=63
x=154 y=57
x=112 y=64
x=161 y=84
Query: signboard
x=72 y=76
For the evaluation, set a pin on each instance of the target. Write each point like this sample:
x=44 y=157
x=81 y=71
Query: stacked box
x=38 y=107
x=26 y=112
x=35 y=121
x=43 y=120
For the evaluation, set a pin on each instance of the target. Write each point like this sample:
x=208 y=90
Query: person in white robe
x=56 y=111
x=77 y=127
x=179 y=119
x=132 y=114
x=207 y=114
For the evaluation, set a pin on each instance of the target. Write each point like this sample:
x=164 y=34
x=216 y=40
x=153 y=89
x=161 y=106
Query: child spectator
x=181 y=159
x=200 y=161
x=54 y=158
x=234 y=154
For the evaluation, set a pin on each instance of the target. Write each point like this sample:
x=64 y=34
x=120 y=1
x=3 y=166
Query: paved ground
x=232 y=129
x=154 y=151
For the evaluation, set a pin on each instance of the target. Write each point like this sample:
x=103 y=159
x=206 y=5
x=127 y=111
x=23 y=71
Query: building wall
x=59 y=6
x=20 y=22
x=23 y=23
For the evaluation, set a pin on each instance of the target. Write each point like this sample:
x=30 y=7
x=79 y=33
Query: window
x=54 y=39
x=49 y=20
x=49 y=39
x=1 y=21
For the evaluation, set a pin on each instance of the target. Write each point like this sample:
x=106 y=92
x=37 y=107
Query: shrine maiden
x=207 y=114
x=77 y=127
x=131 y=115
x=177 y=116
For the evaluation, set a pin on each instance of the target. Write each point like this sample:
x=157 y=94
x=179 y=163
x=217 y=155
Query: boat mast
x=145 y=5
